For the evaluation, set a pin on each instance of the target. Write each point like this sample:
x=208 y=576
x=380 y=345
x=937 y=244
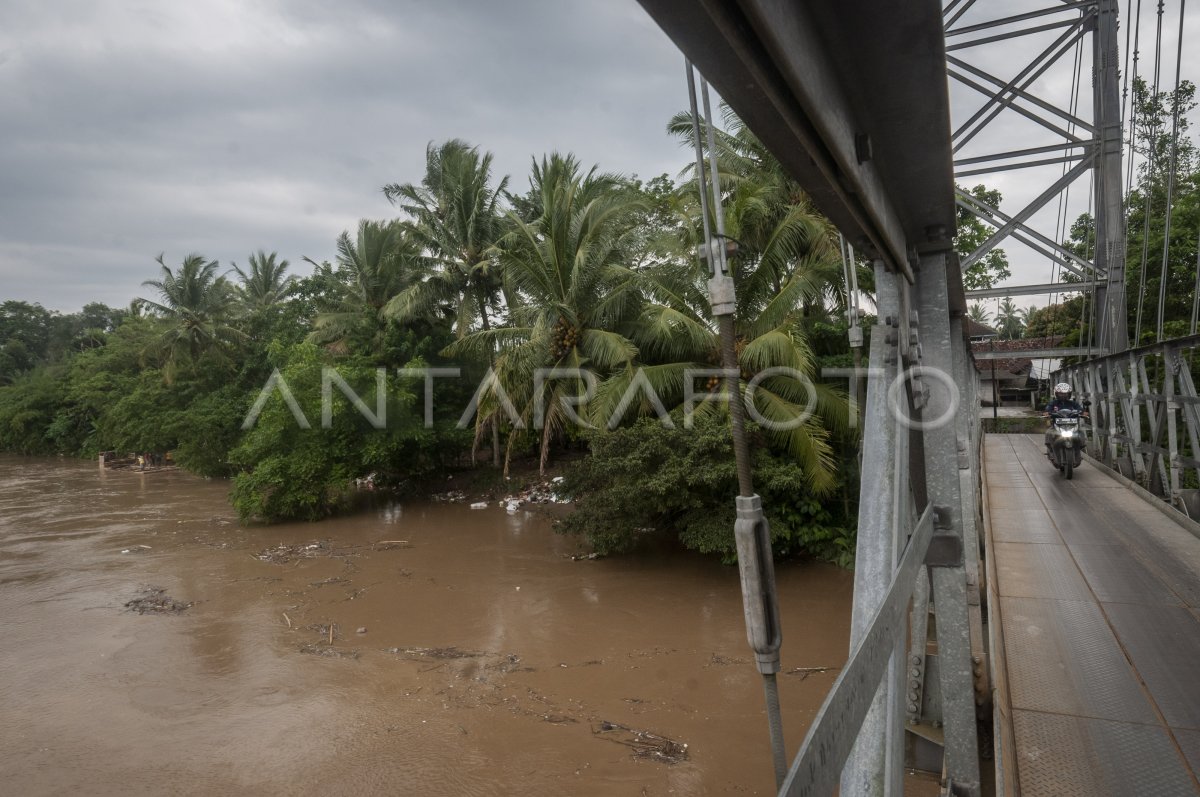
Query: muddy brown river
x=469 y=654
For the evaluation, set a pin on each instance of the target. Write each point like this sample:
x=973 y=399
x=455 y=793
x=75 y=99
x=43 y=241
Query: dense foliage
x=294 y=385
x=648 y=479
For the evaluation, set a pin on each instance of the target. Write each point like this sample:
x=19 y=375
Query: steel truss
x=1138 y=399
x=1096 y=151
x=905 y=692
x=824 y=87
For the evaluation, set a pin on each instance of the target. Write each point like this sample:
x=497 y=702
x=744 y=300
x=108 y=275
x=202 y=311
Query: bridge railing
x=1145 y=416
x=906 y=694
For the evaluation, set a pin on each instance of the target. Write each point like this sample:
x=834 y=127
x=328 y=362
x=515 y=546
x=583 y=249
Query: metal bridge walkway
x=1097 y=595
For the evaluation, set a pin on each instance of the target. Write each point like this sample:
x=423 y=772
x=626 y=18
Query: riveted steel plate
x=1038 y=571
x=1080 y=525
x=1007 y=498
x=1015 y=478
x=1164 y=644
x=1169 y=551
x=1189 y=742
x=1062 y=657
x=1023 y=526
x=1116 y=576
x=1061 y=756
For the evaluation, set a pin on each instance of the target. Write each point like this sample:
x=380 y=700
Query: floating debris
x=387 y=545
x=541 y=493
x=155 y=600
x=331 y=580
x=479 y=505
x=725 y=661
x=452 y=496
x=435 y=653
x=804 y=672
x=314 y=649
x=136 y=549
x=330 y=631
x=283 y=554
x=645 y=744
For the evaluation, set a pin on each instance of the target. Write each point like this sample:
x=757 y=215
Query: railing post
x=884 y=474
x=941 y=351
x=1171 y=407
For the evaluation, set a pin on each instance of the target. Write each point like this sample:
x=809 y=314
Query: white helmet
x=1062 y=391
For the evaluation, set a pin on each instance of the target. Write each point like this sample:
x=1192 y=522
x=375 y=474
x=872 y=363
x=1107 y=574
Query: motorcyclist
x=1063 y=400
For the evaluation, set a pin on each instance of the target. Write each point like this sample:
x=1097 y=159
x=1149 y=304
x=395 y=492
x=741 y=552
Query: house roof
x=978 y=330
x=1016 y=366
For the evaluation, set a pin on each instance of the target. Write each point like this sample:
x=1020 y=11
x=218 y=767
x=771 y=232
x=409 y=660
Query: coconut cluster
x=563 y=339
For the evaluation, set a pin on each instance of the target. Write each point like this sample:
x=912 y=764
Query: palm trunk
x=491 y=364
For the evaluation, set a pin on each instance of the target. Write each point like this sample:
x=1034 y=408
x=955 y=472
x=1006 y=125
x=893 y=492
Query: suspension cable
x=1162 y=285
x=1196 y=290
x=1064 y=197
x=751 y=531
x=1148 y=198
x=1133 y=121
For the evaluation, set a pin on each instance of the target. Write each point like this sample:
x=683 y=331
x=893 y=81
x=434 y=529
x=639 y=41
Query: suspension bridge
x=1013 y=632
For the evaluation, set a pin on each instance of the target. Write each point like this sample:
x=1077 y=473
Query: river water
x=470 y=654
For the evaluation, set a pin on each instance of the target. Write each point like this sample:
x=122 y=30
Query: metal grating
x=1164 y=644
x=1080 y=527
x=1034 y=526
x=1064 y=658
x=1116 y=576
x=1038 y=571
x=1067 y=756
x=1189 y=742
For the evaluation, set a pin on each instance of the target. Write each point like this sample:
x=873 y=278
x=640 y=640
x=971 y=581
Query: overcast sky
x=222 y=127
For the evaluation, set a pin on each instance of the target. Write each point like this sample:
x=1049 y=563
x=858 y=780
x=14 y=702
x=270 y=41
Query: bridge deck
x=1099 y=607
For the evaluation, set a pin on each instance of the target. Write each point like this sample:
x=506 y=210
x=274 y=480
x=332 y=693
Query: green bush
x=288 y=472
x=647 y=480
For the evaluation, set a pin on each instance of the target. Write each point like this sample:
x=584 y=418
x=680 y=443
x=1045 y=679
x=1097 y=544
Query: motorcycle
x=1065 y=440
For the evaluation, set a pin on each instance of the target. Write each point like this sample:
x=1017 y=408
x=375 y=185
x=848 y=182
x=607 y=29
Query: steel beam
x=1049 y=246
x=1109 y=200
x=829 y=87
x=1012 y=34
x=943 y=351
x=1041 y=12
x=1028 y=114
x=1030 y=290
x=1005 y=96
x=1032 y=99
x=1008 y=167
x=1039 y=354
x=1020 y=153
x=1023 y=215
x=832 y=733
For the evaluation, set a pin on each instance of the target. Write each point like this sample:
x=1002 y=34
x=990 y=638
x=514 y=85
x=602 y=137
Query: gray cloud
x=133 y=128
x=224 y=127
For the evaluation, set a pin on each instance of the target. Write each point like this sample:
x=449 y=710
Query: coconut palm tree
x=676 y=332
x=567 y=275
x=979 y=314
x=197 y=303
x=787 y=272
x=379 y=262
x=264 y=285
x=454 y=216
x=1008 y=319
